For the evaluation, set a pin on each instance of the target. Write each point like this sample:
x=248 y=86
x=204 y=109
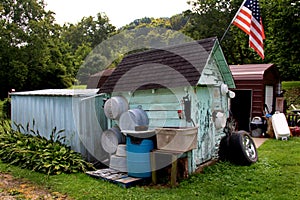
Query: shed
x=78 y=112
x=98 y=79
x=256 y=85
x=161 y=80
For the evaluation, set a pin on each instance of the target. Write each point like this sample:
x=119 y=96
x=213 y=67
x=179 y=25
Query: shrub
x=32 y=151
x=6 y=108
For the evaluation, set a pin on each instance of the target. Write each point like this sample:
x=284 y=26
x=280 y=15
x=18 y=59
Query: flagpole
x=232 y=20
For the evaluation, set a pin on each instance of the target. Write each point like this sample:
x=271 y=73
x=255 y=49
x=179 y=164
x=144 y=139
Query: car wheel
x=242 y=148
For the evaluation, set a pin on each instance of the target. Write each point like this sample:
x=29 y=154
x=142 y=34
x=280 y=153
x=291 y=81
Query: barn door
x=241 y=108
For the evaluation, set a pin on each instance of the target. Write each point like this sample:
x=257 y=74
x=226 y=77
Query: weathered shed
x=161 y=80
x=256 y=85
x=78 y=112
x=98 y=79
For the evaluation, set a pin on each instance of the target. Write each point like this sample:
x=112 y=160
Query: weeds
x=25 y=147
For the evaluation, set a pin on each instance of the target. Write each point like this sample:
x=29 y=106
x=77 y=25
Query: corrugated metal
x=78 y=112
x=249 y=71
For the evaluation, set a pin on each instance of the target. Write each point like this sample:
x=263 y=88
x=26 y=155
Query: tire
x=242 y=148
x=224 y=149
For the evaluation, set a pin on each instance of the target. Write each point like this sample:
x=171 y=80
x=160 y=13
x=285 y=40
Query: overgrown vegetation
x=26 y=148
x=292 y=93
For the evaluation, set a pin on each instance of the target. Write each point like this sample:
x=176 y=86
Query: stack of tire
x=238 y=148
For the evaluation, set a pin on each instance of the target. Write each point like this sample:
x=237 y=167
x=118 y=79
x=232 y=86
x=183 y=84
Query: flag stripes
x=249 y=20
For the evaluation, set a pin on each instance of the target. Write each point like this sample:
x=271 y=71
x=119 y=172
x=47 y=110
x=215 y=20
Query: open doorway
x=241 y=108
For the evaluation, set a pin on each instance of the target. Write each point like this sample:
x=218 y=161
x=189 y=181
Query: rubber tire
x=242 y=149
x=224 y=149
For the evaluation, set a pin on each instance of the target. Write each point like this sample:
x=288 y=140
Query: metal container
x=177 y=139
x=115 y=106
x=118 y=163
x=256 y=127
x=111 y=138
x=121 y=150
x=132 y=118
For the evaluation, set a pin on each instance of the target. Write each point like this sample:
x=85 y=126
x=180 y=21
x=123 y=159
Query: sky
x=119 y=12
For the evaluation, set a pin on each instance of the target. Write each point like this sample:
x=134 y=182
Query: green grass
x=275 y=176
x=290 y=84
x=78 y=87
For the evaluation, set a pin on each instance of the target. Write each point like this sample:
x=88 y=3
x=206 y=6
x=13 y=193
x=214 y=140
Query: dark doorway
x=241 y=108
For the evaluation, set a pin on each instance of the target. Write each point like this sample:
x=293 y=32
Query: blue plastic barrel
x=138 y=157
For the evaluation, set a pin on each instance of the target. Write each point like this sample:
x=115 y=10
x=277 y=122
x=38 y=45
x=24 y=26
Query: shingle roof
x=249 y=71
x=97 y=80
x=173 y=66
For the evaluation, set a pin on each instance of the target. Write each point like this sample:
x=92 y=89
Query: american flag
x=249 y=20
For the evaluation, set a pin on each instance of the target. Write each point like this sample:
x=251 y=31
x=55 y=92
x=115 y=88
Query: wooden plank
x=113 y=176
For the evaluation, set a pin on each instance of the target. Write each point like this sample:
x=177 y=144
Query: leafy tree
x=32 y=55
x=90 y=30
x=281 y=23
x=282 y=32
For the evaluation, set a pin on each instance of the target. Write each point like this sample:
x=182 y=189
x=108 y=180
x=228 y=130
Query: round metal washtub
x=111 y=138
x=121 y=150
x=133 y=118
x=115 y=106
x=118 y=163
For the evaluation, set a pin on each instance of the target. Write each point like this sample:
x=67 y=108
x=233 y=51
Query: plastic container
x=111 y=138
x=133 y=118
x=115 y=106
x=256 y=126
x=280 y=126
x=118 y=163
x=138 y=157
x=177 y=139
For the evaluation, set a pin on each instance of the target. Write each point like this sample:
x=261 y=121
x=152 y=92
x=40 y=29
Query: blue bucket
x=138 y=157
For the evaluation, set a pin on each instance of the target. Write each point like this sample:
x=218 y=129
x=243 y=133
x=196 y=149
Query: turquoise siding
x=162 y=105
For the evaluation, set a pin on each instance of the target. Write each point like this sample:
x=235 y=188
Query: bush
x=6 y=108
x=32 y=151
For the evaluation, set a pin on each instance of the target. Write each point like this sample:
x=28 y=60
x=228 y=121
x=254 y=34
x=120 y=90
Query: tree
x=32 y=55
x=282 y=31
x=90 y=30
x=281 y=23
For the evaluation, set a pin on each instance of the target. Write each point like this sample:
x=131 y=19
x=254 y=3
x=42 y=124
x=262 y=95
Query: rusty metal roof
x=170 y=67
x=249 y=71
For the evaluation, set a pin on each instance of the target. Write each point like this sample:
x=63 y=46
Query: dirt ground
x=13 y=188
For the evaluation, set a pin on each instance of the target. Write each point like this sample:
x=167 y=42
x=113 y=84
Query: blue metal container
x=138 y=157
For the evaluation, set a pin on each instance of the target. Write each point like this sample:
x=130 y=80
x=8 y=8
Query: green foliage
x=32 y=151
x=281 y=24
x=6 y=108
x=292 y=93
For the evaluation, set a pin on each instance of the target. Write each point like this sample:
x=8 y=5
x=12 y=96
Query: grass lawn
x=275 y=176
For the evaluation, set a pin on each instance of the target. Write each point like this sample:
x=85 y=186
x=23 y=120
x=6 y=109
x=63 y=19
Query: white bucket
x=132 y=118
x=115 y=106
x=111 y=138
x=118 y=163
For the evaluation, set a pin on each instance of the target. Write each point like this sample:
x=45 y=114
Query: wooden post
x=174 y=170
x=153 y=168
